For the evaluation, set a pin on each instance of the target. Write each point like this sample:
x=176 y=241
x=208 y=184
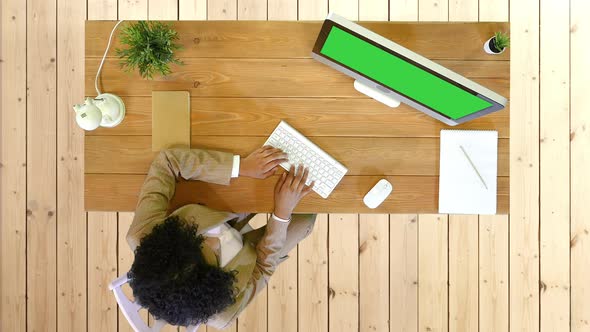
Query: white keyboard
x=323 y=169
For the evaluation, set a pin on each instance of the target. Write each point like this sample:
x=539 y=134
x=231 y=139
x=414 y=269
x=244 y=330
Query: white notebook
x=464 y=154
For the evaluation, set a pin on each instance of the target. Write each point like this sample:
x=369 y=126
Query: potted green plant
x=151 y=48
x=497 y=44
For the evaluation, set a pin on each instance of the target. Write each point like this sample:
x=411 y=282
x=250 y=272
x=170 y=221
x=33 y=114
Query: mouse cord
x=104 y=57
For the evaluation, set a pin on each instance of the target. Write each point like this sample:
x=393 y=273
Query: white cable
x=104 y=57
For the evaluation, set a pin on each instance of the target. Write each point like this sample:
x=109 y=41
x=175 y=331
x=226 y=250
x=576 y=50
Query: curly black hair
x=171 y=278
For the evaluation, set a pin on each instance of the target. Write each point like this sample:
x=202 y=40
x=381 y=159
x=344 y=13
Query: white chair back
x=130 y=309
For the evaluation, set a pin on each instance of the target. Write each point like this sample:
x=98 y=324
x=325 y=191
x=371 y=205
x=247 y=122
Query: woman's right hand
x=289 y=190
x=262 y=163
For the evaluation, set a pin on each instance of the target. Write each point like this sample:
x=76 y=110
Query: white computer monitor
x=390 y=73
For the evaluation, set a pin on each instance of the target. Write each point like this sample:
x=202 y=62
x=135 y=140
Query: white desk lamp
x=106 y=109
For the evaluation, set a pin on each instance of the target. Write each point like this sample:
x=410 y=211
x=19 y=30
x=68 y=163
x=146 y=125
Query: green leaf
x=501 y=40
x=150 y=48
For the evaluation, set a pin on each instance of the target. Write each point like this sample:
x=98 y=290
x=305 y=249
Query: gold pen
x=473 y=165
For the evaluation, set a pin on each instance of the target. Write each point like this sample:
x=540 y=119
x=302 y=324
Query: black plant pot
x=490 y=46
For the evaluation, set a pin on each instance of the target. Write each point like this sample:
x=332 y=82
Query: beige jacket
x=257 y=260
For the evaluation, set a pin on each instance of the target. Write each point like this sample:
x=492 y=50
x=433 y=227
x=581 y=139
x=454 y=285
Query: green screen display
x=401 y=75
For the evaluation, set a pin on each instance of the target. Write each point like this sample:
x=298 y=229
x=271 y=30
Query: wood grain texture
x=373 y=10
x=124 y=261
x=222 y=10
x=464 y=10
x=555 y=170
x=493 y=233
x=265 y=87
x=433 y=10
x=374 y=266
x=493 y=10
x=463 y=273
x=433 y=289
x=312 y=10
x=13 y=156
x=252 y=10
x=282 y=10
x=283 y=286
x=41 y=165
x=101 y=235
x=102 y=10
x=403 y=277
x=463 y=233
x=102 y=269
x=524 y=167
x=13 y=153
x=128 y=9
x=362 y=156
x=71 y=246
x=343 y=293
x=254 y=317
x=132 y=10
x=313 y=278
x=580 y=163
x=493 y=273
x=163 y=9
x=276 y=40
x=13 y=171
x=403 y=10
x=282 y=296
x=192 y=10
x=412 y=194
x=462 y=230
x=346 y=8
x=266 y=78
x=433 y=231
x=232 y=77
x=311 y=116
x=373 y=272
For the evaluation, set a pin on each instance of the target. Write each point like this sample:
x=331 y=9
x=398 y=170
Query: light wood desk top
x=244 y=77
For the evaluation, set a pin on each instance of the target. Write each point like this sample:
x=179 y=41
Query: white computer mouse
x=378 y=194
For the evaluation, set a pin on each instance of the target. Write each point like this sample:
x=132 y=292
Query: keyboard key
x=323 y=169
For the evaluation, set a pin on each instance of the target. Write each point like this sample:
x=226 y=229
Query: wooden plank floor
x=523 y=272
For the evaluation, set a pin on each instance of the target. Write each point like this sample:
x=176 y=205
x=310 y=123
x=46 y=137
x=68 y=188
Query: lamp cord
x=104 y=57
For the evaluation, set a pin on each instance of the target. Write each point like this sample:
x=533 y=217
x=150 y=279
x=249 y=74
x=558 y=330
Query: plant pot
x=490 y=47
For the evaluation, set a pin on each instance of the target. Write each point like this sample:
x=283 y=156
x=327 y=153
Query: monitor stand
x=376 y=92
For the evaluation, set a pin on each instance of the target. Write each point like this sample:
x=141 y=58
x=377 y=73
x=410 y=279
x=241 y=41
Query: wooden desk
x=244 y=77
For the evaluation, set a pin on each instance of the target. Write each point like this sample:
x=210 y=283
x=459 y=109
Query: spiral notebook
x=468 y=171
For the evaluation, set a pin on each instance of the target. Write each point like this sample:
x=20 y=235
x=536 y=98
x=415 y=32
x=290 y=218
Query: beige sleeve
x=268 y=254
x=160 y=184
x=268 y=249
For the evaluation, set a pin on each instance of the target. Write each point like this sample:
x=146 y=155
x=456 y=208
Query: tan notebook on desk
x=171 y=119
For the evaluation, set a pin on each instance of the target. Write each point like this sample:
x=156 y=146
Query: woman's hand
x=262 y=163
x=289 y=190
